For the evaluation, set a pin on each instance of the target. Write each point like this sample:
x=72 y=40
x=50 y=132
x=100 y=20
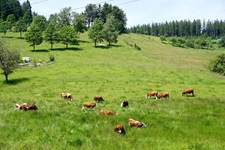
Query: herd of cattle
x=118 y=128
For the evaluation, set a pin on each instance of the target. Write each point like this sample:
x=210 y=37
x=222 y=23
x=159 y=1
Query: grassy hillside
x=118 y=73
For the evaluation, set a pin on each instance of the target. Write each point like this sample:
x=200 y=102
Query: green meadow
x=118 y=73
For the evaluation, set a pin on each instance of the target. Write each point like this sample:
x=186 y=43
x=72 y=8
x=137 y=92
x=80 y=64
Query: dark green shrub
x=222 y=42
x=163 y=38
x=190 y=43
x=218 y=65
x=136 y=47
x=51 y=57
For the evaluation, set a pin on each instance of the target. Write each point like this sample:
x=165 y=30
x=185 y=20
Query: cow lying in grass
x=98 y=98
x=119 y=129
x=151 y=93
x=66 y=96
x=188 y=91
x=135 y=123
x=26 y=106
x=89 y=105
x=162 y=95
x=107 y=112
x=20 y=106
x=30 y=107
x=124 y=104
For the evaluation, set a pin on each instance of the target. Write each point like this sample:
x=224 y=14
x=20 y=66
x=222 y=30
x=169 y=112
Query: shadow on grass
x=16 y=81
x=82 y=41
x=7 y=37
x=189 y=95
x=65 y=49
x=40 y=50
x=20 y=38
x=107 y=46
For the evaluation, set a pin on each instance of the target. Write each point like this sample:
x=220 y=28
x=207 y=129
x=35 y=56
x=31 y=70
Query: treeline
x=214 y=29
x=15 y=9
x=66 y=25
x=11 y=11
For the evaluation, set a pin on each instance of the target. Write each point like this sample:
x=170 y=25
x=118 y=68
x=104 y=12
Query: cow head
x=20 y=106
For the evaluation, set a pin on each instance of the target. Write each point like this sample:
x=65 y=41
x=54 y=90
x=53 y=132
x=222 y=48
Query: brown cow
x=30 y=107
x=107 y=112
x=188 y=91
x=89 y=105
x=135 y=123
x=98 y=98
x=20 y=106
x=162 y=95
x=66 y=96
x=120 y=129
x=151 y=93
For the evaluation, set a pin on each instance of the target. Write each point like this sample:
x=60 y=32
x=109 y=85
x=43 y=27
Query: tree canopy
x=9 y=58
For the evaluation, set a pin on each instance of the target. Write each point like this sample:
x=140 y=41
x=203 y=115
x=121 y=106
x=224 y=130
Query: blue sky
x=143 y=11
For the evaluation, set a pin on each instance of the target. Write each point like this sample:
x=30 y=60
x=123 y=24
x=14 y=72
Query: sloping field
x=118 y=73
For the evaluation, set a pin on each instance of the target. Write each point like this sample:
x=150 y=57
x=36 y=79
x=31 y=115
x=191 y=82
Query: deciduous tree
x=68 y=35
x=4 y=26
x=20 y=26
x=109 y=30
x=95 y=31
x=51 y=35
x=9 y=58
x=34 y=35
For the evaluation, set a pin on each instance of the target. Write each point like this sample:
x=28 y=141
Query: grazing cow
x=151 y=93
x=66 y=96
x=98 y=98
x=135 y=123
x=20 y=106
x=188 y=91
x=119 y=129
x=124 y=104
x=89 y=105
x=162 y=95
x=30 y=107
x=107 y=112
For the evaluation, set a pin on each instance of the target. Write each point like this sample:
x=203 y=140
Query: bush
x=51 y=57
x=190 y=43
x=163 y=38
x=222 y=42
x=218 y=64
x=137 y=47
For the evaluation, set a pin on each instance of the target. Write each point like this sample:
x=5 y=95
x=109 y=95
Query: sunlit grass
x=118 y=73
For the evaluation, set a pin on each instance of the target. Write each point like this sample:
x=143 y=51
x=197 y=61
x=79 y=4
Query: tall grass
x=118 y=73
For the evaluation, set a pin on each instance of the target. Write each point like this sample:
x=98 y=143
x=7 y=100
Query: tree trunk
x=6 y=78
x=33 y=45
x=95 y=42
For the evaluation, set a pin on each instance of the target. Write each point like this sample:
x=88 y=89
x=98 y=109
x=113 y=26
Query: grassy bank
x=118 y=73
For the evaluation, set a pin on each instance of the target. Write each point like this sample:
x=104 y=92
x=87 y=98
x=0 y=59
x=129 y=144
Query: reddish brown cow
x=162 y=95
x=135 y=123
x=20 y=106
x=188 y=91
x=66 y=96
x=151 y=93
x=98 y=98
x=88 y=105
x=30 y=107
x=120 y=129
x=107 y=112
